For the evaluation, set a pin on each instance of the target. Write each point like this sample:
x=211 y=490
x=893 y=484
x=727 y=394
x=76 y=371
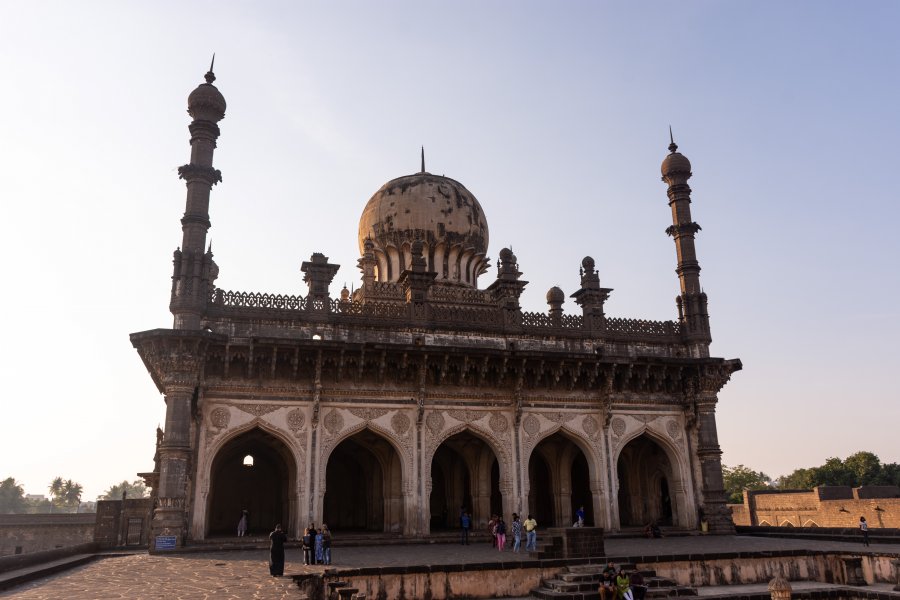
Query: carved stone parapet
x=191 y=173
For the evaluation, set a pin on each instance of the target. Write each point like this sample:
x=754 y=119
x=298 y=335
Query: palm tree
x=56 y=487
x=71 y=493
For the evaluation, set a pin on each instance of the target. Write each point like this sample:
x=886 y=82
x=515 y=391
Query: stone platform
x=243 y=574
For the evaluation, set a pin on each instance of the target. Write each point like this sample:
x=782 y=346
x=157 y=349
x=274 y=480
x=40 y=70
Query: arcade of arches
x=364 y=483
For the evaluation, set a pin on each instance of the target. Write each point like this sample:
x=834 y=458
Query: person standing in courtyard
x=326 y=545
x=276 y=551
x=530 y=534
x=864 y=528
x=242 y=524
x=307 y=547
x=516 y=528
x=465 y=522
x=501 y=534
x=320 y=550
x=492 y=530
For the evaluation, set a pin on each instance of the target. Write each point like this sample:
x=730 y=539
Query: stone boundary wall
x=42 y=557
x=442 y=582
x=21 y=534
x=518 y=578
x=824 y=506
x=834 y=534
x=760 y=567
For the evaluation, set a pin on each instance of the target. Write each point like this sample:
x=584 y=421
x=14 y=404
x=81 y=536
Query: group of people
x=498 y=530
x=616 y=584
x=316 y=545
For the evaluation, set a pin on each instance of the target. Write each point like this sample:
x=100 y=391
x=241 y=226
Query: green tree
x=800 y=479
x=135 y=489
x=65 y=494
x=890 y=474
x=865 y=467
x=742 y=478
x=72 y=493
x=12 y=497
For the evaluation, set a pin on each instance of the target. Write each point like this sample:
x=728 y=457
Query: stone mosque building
x=428 y=388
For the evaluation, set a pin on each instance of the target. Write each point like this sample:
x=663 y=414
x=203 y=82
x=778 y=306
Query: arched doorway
x=645 y=475
x=559 y=482
x=364 y=485
x=255 y=472
x=465 y=473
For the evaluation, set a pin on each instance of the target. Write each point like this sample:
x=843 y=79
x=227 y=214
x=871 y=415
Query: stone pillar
x=169 y=517
x=715 y=509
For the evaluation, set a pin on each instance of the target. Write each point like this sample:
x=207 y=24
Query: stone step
x=559 y=585
x=545 y=594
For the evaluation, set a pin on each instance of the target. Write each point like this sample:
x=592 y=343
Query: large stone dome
x=440 y=212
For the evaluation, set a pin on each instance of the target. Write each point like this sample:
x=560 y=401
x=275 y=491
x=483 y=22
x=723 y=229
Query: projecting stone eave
x=171 y=355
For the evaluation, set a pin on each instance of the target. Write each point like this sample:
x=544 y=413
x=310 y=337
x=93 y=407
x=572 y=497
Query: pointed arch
x=267 y=488
x=362 y=481
x=564 y=472
x=479 y=479
x=650 y=486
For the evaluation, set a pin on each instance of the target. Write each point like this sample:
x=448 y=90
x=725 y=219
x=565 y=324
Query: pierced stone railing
x=458 y=316
x=256 y=300
x=642 y=327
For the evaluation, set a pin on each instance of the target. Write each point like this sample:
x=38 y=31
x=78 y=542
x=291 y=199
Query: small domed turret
x=555 y=296
x=206 y=103
x=675 y=163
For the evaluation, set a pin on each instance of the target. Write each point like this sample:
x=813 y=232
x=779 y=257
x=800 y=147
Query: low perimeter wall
x=518 y=578
x=440 y=582
x=21 y=534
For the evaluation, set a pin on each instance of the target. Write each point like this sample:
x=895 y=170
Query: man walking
x=530 y=534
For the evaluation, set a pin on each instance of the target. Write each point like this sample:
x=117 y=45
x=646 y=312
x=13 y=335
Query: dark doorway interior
x=262 y=486
x=363 y=485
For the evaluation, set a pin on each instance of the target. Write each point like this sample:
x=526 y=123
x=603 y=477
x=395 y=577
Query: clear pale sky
x=554 y=114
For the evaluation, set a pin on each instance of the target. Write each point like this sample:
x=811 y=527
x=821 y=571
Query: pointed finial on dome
x=672 y=146
x=423 y=159
x=210 y=246
x=210 y=76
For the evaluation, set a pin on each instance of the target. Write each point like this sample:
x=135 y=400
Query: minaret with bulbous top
x=692 y=312
x=194 y=269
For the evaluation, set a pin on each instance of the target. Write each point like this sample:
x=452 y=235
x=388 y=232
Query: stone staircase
x=569 y=542
x=582 y=582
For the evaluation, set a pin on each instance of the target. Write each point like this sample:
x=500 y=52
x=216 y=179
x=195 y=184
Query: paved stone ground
x=244 y=575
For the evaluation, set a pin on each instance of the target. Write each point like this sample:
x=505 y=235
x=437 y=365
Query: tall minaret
x=194 y=269
x=692 y=313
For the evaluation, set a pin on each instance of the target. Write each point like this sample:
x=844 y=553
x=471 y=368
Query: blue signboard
x=166 y=542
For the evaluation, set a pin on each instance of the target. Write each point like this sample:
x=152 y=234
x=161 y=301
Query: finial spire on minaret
x=210 y=76
x=423 y=159
x=672 y=146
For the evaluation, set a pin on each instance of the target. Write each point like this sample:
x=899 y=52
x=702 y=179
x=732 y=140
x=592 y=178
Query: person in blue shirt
x=465 y=522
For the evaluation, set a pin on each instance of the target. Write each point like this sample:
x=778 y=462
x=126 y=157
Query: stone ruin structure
x=389 y=408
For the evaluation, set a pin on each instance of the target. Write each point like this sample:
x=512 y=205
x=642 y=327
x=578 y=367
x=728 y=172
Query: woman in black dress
x=276 y=551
